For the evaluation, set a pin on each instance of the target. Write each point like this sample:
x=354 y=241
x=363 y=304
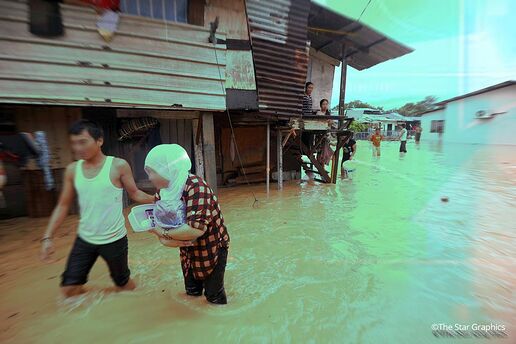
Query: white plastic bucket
x=141 y=217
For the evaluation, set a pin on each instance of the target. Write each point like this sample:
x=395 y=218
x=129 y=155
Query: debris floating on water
x=444 y=199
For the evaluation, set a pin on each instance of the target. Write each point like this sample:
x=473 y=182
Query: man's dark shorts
x=83 y=256
x=403 y=147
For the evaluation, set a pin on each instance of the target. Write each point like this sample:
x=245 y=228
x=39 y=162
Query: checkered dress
x=202 y=212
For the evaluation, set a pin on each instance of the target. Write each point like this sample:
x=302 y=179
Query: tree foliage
x=409 y=109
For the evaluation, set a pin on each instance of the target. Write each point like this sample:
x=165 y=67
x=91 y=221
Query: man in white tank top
x=99 y=182
x=403 y=139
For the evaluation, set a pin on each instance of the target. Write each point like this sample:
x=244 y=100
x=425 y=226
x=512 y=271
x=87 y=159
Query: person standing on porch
x=307 y=100
x=307 y=110
x=99 y=182
x=324 y=111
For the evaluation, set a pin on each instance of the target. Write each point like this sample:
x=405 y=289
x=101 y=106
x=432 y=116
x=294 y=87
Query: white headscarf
x=171 y=162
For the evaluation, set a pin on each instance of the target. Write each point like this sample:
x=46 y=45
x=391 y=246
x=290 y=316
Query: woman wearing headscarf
x=188 y=216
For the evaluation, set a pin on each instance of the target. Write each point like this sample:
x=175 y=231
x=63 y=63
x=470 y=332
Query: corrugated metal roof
x=280 y=53
x=365 y=46
x=149 y=64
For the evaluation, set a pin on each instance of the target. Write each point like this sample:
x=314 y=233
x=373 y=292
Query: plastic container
x=141 y=217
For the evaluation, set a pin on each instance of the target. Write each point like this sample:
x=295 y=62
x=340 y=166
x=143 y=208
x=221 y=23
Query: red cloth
x=106 y=4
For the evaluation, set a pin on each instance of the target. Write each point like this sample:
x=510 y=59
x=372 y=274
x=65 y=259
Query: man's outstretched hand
x=47 y=250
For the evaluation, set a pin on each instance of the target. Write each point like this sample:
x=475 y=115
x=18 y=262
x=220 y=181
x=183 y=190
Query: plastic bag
x=170 y=214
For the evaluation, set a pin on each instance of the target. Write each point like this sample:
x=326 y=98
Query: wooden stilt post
x=198 y=158
x=279 y=142
x=208 y=140
x=268 y=170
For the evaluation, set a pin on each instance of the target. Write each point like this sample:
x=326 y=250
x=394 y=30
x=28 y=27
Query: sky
x=459 y=46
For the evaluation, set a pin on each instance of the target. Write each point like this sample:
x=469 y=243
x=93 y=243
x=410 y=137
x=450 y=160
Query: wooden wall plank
x=20 y=90
x=99 y=75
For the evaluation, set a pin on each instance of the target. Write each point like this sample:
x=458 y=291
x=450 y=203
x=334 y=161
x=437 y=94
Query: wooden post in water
x=208 y=140
x=343 y=76
x=279 y=143
x=268 y=170
x=197 y=141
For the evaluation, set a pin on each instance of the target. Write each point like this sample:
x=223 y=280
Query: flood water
x=377 y=258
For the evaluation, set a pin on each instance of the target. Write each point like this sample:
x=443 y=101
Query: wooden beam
x=322 y=171
x=344 y=32
x=198 y=152
x=210 y=164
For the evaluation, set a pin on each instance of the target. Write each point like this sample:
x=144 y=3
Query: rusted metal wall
x=280 y=53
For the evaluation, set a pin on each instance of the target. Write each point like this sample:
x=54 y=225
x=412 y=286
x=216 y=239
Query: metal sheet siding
x=148 y=64
x=280 y=53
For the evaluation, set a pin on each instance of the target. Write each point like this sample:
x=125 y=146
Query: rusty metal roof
x=365 y=46
x=280 y=53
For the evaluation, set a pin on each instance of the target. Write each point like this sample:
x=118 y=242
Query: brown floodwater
x=376 y=258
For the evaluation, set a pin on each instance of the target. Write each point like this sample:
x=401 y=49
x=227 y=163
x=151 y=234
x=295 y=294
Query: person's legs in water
x=80 y=261
x=343 y=171
x=115 y=254
x=214 y=283
x=193 y=287
x=403 y=147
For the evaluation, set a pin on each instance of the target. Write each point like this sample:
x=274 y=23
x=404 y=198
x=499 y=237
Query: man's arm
x=59 y=213
x=128 y=183
x=63 y=205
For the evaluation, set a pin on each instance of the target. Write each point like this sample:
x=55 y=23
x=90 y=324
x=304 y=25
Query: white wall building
x=486 y=116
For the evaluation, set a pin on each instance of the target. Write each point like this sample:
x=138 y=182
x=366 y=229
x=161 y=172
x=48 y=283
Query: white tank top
x=100 y=202
x=403 y=134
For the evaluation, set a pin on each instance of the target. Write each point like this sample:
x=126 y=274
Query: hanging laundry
x=108 y=18
x=18 y=147
x=108 y=24
x=44 y=159
x=113 y=5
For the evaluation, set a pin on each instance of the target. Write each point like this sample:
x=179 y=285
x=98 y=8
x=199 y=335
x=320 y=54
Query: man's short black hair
x=91 y=127
x=308 y=84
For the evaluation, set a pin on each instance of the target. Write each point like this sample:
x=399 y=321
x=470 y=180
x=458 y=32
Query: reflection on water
x=376 y=258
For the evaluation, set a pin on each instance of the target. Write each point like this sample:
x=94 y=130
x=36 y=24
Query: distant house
x=387 y=122
x=486 y=116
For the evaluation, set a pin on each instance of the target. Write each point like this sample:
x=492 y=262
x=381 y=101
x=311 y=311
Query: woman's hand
x=175 y=243
x=167 y=241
